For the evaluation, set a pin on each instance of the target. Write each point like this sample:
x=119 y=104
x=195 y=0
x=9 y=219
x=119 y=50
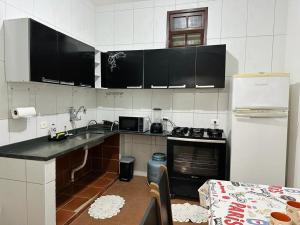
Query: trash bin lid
x=127 y=159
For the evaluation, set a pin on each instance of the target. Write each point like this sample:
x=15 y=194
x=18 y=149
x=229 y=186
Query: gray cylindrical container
x=153 y=166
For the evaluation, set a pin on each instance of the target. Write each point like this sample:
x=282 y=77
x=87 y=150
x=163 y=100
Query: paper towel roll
x=23 y=112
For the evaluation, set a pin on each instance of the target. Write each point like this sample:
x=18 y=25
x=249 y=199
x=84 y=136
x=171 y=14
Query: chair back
x=162 y=187
x=152 y=215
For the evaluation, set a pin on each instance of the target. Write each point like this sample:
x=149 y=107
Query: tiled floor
x=136 y=195
x=73 y=200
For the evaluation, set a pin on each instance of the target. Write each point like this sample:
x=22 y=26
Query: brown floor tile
x=63 y=216
x=75 y=203
x=136 y=194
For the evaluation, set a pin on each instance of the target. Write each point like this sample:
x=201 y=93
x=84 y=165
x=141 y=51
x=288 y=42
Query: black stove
x=186 y=132
x=195 y=155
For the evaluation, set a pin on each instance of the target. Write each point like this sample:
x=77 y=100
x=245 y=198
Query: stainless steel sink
x=85 y=136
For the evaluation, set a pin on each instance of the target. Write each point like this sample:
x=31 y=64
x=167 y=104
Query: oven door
x=191 y=162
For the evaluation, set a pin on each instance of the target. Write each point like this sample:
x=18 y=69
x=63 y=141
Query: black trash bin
x=126 y=168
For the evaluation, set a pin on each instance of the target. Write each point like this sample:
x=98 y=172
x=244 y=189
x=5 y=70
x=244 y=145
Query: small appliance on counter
x=156 y=126
x=133 y=124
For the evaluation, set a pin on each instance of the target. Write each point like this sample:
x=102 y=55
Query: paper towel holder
x=24 y=112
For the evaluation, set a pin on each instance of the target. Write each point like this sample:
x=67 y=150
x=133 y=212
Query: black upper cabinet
x=156 y=68
x=58 y=58
x=104 y=69
x=182 y=67
x=43 y=53
x=124 y=69
x=210 y=66
x=77 y=63
x=69 y=62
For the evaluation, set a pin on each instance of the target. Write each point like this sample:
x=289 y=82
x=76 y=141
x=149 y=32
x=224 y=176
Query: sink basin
x=85 y=136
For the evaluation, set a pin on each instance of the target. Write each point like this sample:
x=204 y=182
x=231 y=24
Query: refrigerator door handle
x=262 y=115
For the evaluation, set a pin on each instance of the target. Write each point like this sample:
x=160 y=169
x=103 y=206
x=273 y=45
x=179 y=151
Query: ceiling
x=101 y=2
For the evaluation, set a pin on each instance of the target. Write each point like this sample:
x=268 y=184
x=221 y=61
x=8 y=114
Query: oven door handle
x=197 y=140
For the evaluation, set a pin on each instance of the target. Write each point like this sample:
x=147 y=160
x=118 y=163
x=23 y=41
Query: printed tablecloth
x=236 y=203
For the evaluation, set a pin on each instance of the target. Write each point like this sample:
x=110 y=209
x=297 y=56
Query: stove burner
x=197 y=132
x=214 y=133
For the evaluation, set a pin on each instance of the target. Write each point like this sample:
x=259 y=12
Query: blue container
x=153 y=166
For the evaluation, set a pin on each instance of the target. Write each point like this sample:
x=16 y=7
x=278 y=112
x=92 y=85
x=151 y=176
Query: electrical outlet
x=214 y=122
x=44 y=125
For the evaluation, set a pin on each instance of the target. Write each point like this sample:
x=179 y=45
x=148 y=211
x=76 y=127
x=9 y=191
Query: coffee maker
x=156 y=126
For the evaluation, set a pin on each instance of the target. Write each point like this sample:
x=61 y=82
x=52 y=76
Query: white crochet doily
x=106 y=206
x=187 y=212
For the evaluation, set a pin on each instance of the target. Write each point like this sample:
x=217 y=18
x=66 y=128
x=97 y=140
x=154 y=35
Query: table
x=237 y=203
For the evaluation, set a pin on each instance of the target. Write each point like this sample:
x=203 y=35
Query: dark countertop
x=41 y=149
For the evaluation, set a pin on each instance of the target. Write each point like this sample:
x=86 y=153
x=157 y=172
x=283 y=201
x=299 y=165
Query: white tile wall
x=247 y=27
x=260 y=17
x=194 y=108
x=13 y=201
x=259 y=53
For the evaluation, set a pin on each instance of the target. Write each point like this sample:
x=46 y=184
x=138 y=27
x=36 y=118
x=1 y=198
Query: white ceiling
x=101 y=2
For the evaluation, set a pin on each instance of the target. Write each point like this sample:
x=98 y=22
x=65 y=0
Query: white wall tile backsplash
x=191 y=107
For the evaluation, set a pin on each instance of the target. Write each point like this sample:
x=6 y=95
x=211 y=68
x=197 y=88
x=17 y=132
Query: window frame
x=187 y=12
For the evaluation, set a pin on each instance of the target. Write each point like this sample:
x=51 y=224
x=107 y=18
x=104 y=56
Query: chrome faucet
x=89 y=123
x=74 y=113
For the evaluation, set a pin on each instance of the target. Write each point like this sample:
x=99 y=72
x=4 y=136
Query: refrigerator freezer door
x=258 y=150
x=260 y=92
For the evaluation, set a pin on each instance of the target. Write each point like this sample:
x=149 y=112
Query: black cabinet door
x=77 y=62
x=124 y=69
x=104 y=69
x=68 y=60
x=87 y=66
x=156 y=71
x=43 y=53
x=182 y=67
x=210 y=66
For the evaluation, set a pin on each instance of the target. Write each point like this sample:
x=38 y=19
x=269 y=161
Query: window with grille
x=187 y=27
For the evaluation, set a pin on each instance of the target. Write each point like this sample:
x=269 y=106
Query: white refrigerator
x=259 y=128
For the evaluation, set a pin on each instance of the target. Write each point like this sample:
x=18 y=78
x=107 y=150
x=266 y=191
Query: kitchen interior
x=97 y=96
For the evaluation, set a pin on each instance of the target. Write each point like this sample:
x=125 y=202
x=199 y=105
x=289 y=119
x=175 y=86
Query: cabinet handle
x=205 y=86
x=49 y=81
x=134 y=87
x=158 y=87
x=67 y=83
x=179 y=86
